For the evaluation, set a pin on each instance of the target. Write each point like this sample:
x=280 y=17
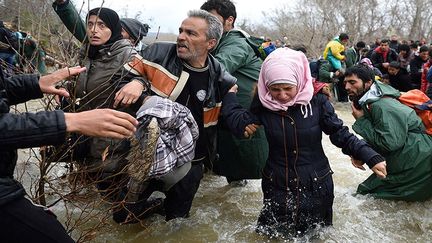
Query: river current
x=222 y=213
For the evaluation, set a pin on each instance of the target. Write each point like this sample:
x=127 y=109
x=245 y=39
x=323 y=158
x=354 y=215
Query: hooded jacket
x=240 y=60
x=395 y=131
x=96 y=88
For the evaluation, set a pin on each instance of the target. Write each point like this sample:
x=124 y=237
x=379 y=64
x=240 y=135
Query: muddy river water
x=221 y=213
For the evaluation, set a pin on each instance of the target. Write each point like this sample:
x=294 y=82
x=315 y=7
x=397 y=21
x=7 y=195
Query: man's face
x=97 y=31
x=393 y=71
x=192 y=43
x=126 y=36
x=424 y=55
x=344 y=42
x=384 y=46
x=227 y=23
x=355 y=87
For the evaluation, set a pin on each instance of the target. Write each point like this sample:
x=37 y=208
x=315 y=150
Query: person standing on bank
x=297 y=179
x=20 y=219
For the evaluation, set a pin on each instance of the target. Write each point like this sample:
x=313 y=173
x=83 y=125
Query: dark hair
x=300 y=47
x=385 y=76
x=395 y=64
x=224 y=8
x=423 y=49
x=362 y=72
x=385 y=41
x=343 y=36
x=360 y=45
x=404 y=47
x=414 y=45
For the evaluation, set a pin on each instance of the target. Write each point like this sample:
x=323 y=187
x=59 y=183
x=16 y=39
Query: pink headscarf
x=285 y=65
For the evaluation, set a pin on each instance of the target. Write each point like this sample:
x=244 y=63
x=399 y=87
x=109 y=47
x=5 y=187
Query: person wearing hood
x=105 y=84
x=132 y=29
x=383 y=55
x=297 y=179
x=395 y=131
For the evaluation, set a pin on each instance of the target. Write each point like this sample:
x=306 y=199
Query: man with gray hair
x=184 y=72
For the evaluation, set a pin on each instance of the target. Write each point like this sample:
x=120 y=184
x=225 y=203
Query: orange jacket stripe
x=211 y=115
x=163 y=83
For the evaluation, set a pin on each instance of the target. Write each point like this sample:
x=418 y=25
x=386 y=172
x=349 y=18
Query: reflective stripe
x=211 y=115
x=163 y=83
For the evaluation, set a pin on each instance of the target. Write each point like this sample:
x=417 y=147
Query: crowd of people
x=209 y=103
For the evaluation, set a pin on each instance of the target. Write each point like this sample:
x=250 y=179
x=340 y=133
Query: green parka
x=240 y=158
x=396 y=132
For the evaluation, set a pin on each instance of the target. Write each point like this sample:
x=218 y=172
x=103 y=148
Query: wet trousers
x=293 y=212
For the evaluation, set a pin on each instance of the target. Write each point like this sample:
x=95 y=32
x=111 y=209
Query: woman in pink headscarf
x=297 y=179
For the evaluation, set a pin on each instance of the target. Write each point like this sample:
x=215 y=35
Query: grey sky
x=168 y=14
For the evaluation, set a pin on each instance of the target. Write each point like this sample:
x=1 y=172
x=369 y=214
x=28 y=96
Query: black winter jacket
x=161 y=66
x=23 y=130
x=295 y=142
x=416 y=70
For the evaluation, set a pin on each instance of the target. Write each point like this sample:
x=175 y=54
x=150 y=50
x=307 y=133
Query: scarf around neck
x=112 y=21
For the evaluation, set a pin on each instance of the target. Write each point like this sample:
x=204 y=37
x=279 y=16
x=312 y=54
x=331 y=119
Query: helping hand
x=101 y=123
x=47 y=82
x=357 y=163
x=380 y=169
x=129 y=94
x=250 y=130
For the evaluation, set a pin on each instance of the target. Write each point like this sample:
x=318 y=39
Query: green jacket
x=396 y=132
x=326 y=73
x=240 y=158
x=352 y=57
x=71 y=19
x=96 y=88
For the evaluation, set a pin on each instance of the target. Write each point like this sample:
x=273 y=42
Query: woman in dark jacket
x=297 y=179
x=106 y=84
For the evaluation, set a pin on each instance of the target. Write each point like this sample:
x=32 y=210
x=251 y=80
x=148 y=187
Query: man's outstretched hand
x=101 y=123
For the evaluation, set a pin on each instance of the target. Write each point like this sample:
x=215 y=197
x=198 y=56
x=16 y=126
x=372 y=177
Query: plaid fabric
x=178 y=134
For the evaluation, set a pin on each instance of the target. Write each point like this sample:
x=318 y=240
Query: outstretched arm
x=70 y=18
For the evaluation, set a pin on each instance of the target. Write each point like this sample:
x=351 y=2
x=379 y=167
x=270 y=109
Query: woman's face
x=97 y=32
x=283 y=93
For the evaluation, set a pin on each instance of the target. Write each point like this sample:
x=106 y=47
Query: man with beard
x=187 y=74
x=396 y=132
